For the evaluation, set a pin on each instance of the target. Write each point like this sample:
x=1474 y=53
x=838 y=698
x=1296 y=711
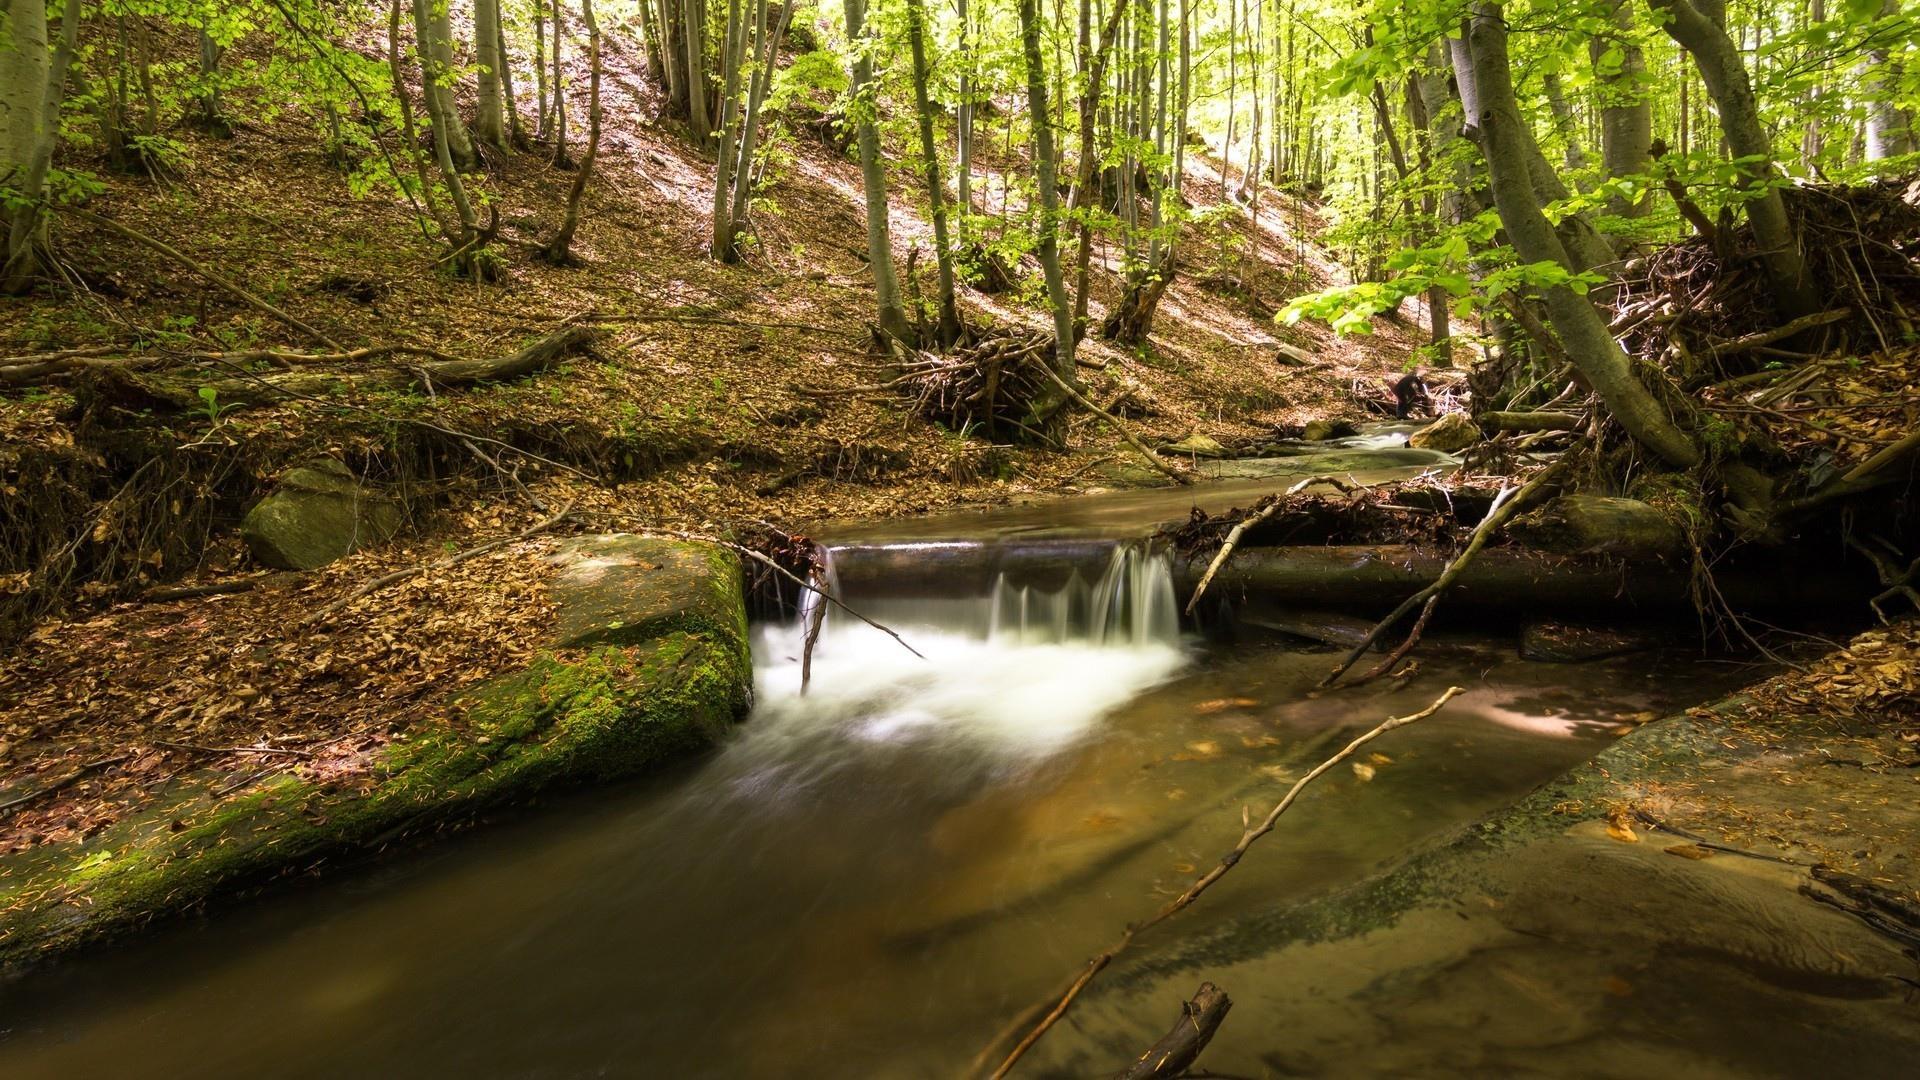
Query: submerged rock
x=1450 y=434
x=318 y=513
x=1548 y=640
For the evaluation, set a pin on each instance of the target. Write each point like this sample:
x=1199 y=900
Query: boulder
x=1450 y=434
x=1197 y=445
x=621 y=589
x=1292 y=356
x=317 y=513
x=1322 y=430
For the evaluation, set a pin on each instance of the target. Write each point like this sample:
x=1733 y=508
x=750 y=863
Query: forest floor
x=693 y=410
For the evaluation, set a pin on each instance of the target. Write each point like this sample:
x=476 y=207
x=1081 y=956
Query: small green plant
x=210 y=405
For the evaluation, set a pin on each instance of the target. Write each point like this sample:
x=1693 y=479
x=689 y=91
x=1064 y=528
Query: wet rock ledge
x=650 y=663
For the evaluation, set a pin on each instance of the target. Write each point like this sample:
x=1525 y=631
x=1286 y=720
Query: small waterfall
x=1117 y=594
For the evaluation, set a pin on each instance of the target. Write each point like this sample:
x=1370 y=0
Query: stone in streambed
x=1197 y=445
x=1322 y=430
x=621 y=589
x=1574 y=643
x=1450 y=434
x=318 y=513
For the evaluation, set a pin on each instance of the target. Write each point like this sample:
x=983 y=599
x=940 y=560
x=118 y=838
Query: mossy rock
x=667 y=679
x=316 y=514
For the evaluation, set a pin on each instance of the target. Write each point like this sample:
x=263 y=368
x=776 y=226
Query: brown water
x=871 y=879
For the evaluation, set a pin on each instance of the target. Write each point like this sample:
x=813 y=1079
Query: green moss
x=609 y=712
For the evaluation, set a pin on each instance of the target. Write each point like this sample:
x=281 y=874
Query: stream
x=872 y=877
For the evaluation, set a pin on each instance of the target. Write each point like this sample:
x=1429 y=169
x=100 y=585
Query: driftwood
x=1055 y=1006
x=1180 y=1047
x=444 y=372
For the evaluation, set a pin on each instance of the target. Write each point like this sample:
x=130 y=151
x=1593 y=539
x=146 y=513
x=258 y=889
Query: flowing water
x=873 y=876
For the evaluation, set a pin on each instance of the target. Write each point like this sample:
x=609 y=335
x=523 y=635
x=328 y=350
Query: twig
x=1200 y=884
x=1505 y=505
x=1233 y=538
x=170 y=252
x=1179 y=476
x=1180 y=1047
x=84 y=770
x=234 y=749
x=455 y=559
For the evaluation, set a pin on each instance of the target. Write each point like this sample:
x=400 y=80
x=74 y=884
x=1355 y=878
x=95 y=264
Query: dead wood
x=170 y=252
x=1529 y=421
x=1056 y=1006
x=1180 y=476
x=1180 y=1047
x=1504 y=506
x=1779 y=333
x=1263 y=513
x=443 y=373
x=83 y=771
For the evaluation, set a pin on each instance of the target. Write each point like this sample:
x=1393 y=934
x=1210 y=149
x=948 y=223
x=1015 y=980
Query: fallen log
x=1495 y=422
x=1601 y=525
x=441 y=374
x=1778 y=333
x=1508 y=579
x=1180 y=1047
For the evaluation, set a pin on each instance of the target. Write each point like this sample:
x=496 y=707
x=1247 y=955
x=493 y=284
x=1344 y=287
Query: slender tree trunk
x=510 y=101
x=873 y=176
x=720 y=246
x=936 y=191
x=767 y=56
x=699 y=116
x=540 y=68
x=1045 y=166
x=1626 y=111
x=1889 y=129
x=490 y=115
x=963 y=128
x=433 y=34
x=561 y=158
x=32 y=85
x=1504 y=137
x=559 y=250
x=1564 y=122
x=1697 y=25
x=1086 y=181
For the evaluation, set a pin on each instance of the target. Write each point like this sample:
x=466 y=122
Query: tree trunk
x=936 y=192
x=1705 y=39
x=1045 y=166
x=720 y=244
x=768 y=55
x=560 y=158
x=490 y=116
x=32 y=82
x=433 y=34
x=1505 y=139
x=1626 y=112
x=1889 y=129
x=1086 y=177
x=559 y=250
x=873 y=179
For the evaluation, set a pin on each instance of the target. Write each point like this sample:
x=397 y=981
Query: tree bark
x=936 y=192
x=1582 y=331
x=1889 y=128
x=433 y=35
x=1180 y=1047
x=892 y=317
x=490 y=116
x=1626 y=112
x=32 y=84
x=1045 y=163
x=1705 y=39
x=559 y=250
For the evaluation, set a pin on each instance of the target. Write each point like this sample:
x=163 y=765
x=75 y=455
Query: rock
x=1197 y=445
x=1450 y=434
x=1292 y=356
x=620 y=589
x=1322 y=430
x=1573 y=643
x=318 y=513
